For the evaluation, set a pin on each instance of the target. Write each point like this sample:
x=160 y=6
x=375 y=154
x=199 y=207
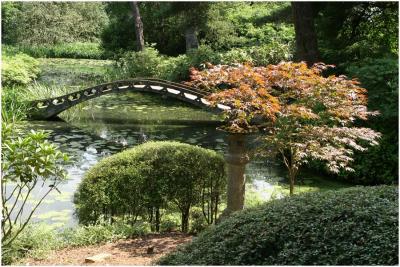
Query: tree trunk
x=306 y=37
x=157 y=219
x=151 y=211
x=138 y=26
x=237 y=159
x=185 y=220
x=291 y=181
x=191 y=38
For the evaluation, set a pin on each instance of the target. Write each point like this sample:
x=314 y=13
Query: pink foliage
x=302 y=114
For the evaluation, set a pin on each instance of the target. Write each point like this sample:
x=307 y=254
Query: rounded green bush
x=354 y=226
x=142 y=181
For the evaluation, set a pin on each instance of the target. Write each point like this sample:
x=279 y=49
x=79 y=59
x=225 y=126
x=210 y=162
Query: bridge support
x=236 y=159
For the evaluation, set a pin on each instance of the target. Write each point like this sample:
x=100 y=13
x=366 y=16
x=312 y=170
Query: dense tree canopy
x=220 y=25
x=356 y=30
x=37 y=23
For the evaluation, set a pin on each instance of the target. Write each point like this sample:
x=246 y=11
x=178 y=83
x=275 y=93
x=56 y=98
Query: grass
x=37 y=240
x=63 y=50
x=13 y=108
x=36 y=91
x=74 y=73
x=75 y=65
x=308 y=183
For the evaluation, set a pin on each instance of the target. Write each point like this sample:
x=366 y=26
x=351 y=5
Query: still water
x=112 y=123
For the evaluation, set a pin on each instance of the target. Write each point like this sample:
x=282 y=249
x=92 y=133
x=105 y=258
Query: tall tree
x=306 y=37
x=138 y=26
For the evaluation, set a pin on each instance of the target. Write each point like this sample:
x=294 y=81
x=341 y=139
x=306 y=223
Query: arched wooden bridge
x=50 y=108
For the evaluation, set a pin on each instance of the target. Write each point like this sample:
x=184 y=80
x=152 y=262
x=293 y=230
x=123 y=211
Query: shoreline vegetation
x=256 y=57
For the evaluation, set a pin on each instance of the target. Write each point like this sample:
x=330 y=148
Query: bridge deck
x=51 y=107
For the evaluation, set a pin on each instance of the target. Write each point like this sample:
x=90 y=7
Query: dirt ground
x=123 y=252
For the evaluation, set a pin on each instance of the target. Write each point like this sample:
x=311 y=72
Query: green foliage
x=355 y=226
x=199 y=223
x=119 y=34
x=95 y=234
x=262 y=55
x=19 y=69
x=380 y=77
x=143 y=181
x=141 y=64
x=222 y=26
x=38 y=23
x=61 y=50
x=13 y=105
x=36 y=241
x=378 y=165
x=150 y=63
x=350 y=31
x=29 y=158
x=9 y=12
x=271 y=53
x=29 y=162
x=169 y=223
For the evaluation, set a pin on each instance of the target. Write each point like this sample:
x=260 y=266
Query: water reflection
x=105 y=131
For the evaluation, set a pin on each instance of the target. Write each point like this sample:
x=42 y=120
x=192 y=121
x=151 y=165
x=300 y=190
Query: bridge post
x=236 y=159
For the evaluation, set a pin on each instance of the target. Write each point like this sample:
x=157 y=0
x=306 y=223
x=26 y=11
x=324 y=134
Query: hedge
x=354 y=226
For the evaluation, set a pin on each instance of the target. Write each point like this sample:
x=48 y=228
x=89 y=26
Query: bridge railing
x=45 y=108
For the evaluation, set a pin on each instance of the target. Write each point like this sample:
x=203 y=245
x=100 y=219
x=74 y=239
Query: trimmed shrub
x=355 y=226
x=19 y=69
x=144 y=180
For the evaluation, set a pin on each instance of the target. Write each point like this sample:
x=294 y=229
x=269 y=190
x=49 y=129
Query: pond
x=112 y=123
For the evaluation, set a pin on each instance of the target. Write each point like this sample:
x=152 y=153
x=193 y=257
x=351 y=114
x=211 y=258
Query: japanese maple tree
x=301 y=114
